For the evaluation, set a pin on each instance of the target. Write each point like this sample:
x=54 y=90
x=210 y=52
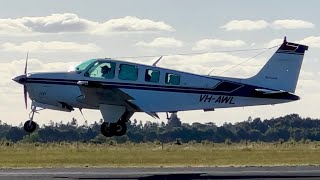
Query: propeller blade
x=25 y=96
x=25 y=93
x=26 y=66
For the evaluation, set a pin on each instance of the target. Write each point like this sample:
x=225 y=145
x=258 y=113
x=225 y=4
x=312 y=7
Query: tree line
x=289 y=127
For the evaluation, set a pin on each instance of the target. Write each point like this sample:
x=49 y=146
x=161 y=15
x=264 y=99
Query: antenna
x=210 y=72
x=155 y=63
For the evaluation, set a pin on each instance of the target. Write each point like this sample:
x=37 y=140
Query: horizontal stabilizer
x=153 y=114
x=268 y=91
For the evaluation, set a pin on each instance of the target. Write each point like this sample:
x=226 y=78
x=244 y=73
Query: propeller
x=24 y=85
x=22 y=79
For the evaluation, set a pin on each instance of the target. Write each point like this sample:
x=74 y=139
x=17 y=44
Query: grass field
x=153 y=154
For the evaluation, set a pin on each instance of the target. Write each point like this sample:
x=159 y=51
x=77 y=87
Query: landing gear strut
x=30 y=126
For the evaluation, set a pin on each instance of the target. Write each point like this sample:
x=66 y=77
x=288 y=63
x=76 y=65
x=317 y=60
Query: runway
x=297 y=173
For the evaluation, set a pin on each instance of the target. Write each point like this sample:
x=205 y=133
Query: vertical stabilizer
x=282 y=70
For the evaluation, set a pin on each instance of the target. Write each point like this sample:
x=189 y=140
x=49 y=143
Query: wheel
x=105 y=130
x=120 y=128
x=30 y=127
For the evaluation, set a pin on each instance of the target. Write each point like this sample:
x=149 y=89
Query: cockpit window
x=104 y=70
x=83 y=65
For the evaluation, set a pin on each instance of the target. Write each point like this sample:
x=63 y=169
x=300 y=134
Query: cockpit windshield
x=83 y=65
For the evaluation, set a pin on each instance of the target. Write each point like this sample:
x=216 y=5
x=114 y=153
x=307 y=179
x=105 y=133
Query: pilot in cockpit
x=106 y=72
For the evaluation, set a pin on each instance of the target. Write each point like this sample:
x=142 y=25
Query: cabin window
x=173 y=79
x=152 y=76
x=128 y=72
x=105 y=70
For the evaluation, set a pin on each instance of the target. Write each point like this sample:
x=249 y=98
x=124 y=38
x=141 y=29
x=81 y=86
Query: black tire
x=30 y=127
x=106 y=130
x=120 y=128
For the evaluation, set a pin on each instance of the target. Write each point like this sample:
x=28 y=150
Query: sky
x=60 y=34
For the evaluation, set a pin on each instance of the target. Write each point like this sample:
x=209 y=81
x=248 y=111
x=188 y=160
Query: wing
x=95 y=93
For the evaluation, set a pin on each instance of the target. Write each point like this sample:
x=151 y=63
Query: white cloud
x=52 y=46
x=292 y=24
x=54 y=23
x=204 y=63
x=274 y=42
x=68 y=22
x=245 y=25
x=207 y=44
x=36 y=65
x=249 y=25
x=129 y=23
x=161 y=42
x=312 y=41
x=308 y=75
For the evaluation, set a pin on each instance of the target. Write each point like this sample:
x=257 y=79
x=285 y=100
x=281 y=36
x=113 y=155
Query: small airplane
x=119 y=89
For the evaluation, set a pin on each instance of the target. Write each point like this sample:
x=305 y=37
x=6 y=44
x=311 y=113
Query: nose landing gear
x=30 y=126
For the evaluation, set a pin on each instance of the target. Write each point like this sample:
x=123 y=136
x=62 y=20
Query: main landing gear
x=118 y=128
x=113 y=129
x=30 y=126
